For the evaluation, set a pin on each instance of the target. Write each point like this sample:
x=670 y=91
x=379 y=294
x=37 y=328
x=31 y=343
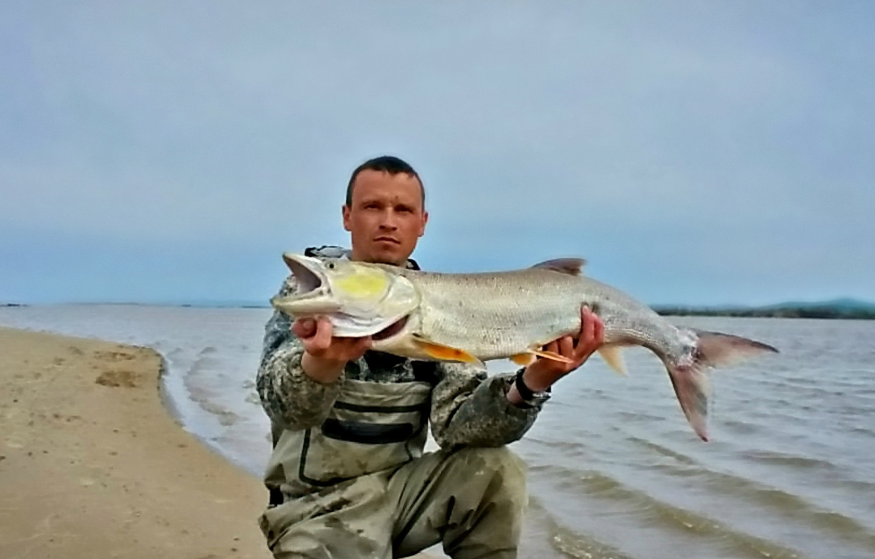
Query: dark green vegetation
x=838 y=308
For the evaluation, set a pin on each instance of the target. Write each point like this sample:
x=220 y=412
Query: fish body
x=506 y=314
x=510 y=314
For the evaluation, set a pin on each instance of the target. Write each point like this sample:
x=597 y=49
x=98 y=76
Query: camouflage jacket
x=468 y=407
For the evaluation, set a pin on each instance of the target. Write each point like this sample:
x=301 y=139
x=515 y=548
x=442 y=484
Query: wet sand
x=93 y=465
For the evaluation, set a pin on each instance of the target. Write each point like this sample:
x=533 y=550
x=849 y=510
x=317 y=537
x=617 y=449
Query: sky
x=698 y=153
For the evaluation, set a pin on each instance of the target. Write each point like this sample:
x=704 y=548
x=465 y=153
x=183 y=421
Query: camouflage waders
x=357 y=488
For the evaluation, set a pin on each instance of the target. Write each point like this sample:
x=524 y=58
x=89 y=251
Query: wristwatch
x=528 y=396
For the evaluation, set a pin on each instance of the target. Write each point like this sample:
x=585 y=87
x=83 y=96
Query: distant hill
x=836 y=308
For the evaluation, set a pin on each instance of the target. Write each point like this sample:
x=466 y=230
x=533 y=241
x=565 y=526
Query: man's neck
x=354 y=257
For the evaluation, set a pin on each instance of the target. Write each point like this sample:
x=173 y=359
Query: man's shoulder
x=327 y=251
x=333 y=251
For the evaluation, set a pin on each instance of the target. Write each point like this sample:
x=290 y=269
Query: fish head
x=359 y=297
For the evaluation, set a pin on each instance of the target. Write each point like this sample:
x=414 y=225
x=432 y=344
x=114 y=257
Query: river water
x=614 y=469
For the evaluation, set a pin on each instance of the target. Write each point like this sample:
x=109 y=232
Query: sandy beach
x=93 y=465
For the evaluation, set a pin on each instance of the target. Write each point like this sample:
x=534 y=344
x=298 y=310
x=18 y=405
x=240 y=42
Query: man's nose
x=389 y=221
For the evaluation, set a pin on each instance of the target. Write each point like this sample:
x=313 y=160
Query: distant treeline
x=782 y=312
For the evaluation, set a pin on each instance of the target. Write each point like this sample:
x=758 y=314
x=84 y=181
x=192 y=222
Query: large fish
x=512 y=314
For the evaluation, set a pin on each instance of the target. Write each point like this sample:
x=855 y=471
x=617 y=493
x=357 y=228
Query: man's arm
x=301 y=368
x=471 y=408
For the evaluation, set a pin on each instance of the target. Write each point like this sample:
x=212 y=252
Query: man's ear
x=345 y=211
x=424 y=222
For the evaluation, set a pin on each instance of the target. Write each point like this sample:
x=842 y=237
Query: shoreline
x=94 y=463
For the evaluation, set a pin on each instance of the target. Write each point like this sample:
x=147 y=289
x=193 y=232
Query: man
x=348 y=477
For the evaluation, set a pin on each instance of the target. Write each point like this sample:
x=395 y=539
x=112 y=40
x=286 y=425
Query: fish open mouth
x=306 y=278
x=391 y=330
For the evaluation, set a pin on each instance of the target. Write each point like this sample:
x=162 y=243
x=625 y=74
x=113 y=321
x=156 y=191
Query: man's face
x=386 y=217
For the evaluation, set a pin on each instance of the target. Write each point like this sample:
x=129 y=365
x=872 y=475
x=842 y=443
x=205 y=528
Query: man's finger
x=566 y=346
x=599 y=331
x=322 y=336
x=304 y=327
x=588 y=326
x=363 y=345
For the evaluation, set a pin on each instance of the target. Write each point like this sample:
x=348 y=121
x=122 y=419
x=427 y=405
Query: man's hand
x=541 y=374
x=324 y=355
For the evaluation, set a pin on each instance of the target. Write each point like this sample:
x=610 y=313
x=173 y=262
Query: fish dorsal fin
x=612 y=356
x=570 y=266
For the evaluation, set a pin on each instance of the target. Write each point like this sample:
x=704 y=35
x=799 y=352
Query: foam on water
x=614 y=469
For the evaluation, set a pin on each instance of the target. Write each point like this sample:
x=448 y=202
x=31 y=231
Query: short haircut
x=386 y=163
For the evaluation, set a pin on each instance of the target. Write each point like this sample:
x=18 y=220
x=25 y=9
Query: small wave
x=640 y=416
x=859 y=430
x=656 y=512
x=677 y=518
x=738 y=427
x=790 y=505
x=569 y=448
x=208 y=350
x=565 y=540
x=572 y=544
x=781 y=459
x=201 y=365
x=665 y=451
x=225 y=416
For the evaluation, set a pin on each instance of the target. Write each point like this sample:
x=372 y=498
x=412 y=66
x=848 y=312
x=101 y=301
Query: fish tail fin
x=690 y=375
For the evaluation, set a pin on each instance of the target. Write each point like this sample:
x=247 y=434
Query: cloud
x=688 y=148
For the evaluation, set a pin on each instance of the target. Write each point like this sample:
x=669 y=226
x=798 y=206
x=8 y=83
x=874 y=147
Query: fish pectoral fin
x=523 y=359
x=551 y=355
x=443 y=352
x=570 y=266
x=614 y=358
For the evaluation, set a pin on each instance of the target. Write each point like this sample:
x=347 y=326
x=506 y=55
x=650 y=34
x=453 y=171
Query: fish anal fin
x=570 y=266
x=443 y=352
x=553 y=356
x=614 y=358
x=523 y=359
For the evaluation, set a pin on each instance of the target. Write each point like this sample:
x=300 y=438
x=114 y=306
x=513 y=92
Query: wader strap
x=276 y=497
